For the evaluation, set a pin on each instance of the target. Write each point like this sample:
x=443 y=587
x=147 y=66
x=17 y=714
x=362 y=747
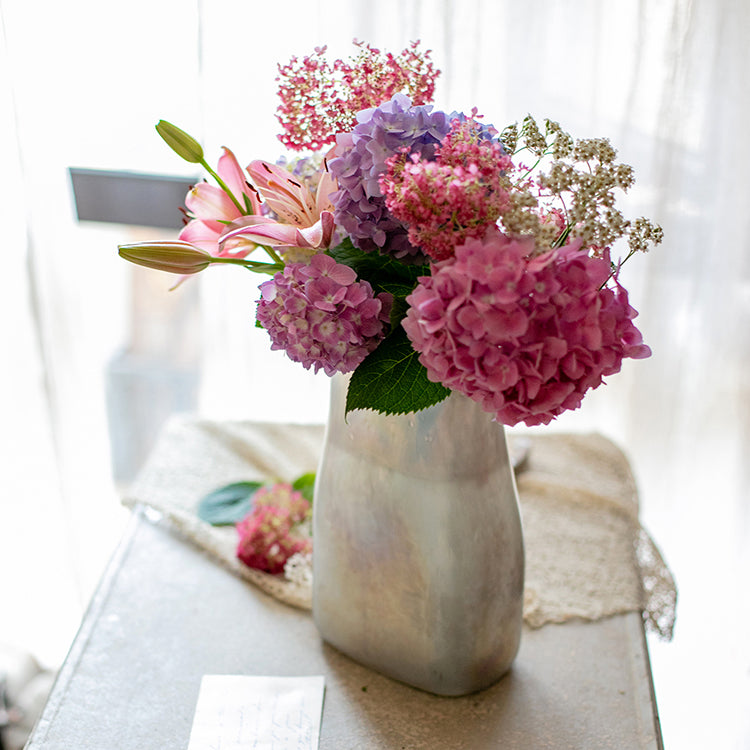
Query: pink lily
x=304 y=222
x=211 y=208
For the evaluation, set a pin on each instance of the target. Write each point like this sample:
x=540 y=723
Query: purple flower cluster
x=361 y=160
x=321 y=316
x=524 y=337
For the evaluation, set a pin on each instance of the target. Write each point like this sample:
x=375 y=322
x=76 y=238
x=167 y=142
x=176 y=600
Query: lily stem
x=223 y=186
x=253 y=265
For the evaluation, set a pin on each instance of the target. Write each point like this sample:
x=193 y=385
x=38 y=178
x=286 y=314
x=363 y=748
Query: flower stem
x=272 y=254
x=253 y=265
x=223 y=186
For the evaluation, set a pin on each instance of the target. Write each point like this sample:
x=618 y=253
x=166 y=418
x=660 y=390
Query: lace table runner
x=587 y=555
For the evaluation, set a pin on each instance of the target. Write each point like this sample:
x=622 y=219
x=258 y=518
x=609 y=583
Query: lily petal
x=275 y=234
x=206 y=201
x=284 y=195
x=234 y=176
x=326 y=186
x=203 y=234
x=269 y=232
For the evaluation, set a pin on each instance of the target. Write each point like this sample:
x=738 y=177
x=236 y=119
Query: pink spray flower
x=458 y=195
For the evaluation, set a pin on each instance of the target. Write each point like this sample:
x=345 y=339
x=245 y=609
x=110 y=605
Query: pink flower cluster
x=524 y=337
x=320 y=99
x=453 y=198
x=271 y=534
x=321 y=316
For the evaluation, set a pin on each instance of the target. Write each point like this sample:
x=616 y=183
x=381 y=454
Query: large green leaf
x=229 y=504
x=391 y=380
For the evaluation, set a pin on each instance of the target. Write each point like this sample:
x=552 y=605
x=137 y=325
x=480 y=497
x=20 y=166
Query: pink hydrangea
x=283 y=495
x=524 y=336
x=270 y=534
x=453 y=198
x=321 y=316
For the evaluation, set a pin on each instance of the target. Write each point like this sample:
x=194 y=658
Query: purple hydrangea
x=380 y=133
x=321 y=316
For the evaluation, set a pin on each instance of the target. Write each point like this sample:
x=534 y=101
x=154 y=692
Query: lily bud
x=180 y=142
x=174 y=257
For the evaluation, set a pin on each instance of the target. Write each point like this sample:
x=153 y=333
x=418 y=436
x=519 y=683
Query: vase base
x=451 y=679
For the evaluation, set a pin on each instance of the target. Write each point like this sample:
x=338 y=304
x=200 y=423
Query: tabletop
x=165 y=614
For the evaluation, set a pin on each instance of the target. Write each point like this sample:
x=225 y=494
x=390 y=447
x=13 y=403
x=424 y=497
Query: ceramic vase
x=418 y=556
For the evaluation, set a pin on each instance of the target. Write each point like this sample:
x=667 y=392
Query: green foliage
x=391 y=380
x=383 y=273
x=229 y=504
x=376 y=267
x=305 y=486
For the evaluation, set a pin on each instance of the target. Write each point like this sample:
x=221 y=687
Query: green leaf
x=305 y=485
x=180 y=142
x=400 y=290
x=229 y=504
x=391 y=380
x=374 y=266
x=383 y=273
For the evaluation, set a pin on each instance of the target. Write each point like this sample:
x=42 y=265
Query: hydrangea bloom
x=282 y=495
x=266 y=539
x=361 y=160
x=457 y=196
x=321 y=316
x=525 y=338
x=272 y=533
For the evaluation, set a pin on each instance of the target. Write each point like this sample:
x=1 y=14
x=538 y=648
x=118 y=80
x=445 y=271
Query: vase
x=418 y=561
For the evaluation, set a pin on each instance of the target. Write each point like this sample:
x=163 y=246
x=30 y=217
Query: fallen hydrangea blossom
x=524 y=337
x=274 y=530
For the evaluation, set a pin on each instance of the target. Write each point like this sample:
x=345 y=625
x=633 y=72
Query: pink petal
x=210 y=202
x=285 y=196
x=326 y=186
x=233 y=175
x=275 y=234
x=204 y=235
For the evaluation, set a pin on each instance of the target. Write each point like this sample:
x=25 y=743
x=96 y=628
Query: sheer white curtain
x=666 y=80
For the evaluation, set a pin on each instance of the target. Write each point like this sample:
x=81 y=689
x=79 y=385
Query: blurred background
x=97 y=353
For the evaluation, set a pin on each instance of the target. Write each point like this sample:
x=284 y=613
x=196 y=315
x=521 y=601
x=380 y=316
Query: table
x=165 y=614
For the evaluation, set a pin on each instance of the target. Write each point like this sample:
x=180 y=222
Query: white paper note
x=238 y=712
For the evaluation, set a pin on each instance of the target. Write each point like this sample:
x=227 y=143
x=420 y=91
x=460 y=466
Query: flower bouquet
x=422 y=251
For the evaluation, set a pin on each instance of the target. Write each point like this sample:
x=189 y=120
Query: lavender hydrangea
x=321 y=316
x=359 y=201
